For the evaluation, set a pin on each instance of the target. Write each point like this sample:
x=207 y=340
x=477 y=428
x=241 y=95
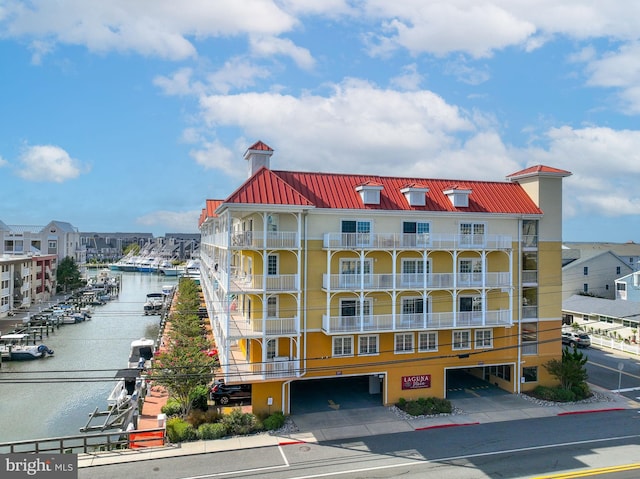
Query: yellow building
x=398 y=282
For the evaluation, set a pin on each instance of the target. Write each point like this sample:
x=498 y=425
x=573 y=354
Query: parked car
x=576 y=338
x=222 y=393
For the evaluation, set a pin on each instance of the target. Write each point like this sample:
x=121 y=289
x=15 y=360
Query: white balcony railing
x=422 y=321
x=258 y=240
x=405 y=241
x=384 y=282
x=258 y=283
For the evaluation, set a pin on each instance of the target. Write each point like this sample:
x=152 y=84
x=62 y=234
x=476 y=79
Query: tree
x=184 y=365
x=68 y=274
x=570 y=371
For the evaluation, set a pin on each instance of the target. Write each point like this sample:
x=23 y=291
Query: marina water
x=55 y=396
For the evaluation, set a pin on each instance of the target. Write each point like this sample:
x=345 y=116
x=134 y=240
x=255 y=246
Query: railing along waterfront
x=88 y=443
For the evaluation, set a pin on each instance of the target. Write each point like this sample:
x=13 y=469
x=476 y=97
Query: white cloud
x=213 y=155
x=159 y=28
x=178 y=83
x=409 y=80
x=399 y=133
x=48 y=163
x=236 y=73
x=171 y=221
x=3 y=162
x=605 y=164
x=269 y=46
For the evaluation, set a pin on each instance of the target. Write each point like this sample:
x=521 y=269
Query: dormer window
x=459 y=197
x=370 y=193
x=416 y=195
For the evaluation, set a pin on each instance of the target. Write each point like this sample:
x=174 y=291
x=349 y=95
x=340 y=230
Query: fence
x=88 y=443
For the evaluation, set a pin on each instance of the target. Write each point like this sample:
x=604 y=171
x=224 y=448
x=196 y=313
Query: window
x=621 y=286
x=585 y=271
x=351 y=271
x=343 y=346
x=484 y=338
x=530 y=233
x=413 y=311
x=272 y=265
x=272 y=223
x=470 y=309
x=356 y=233
x=427 y=342
x=272 y=307
x=350 y=313
x=617 y=269
x=585 y=288
x=470 y=271
x=368 y=345
x=502 y=372
x=529 y=338
x=415 y=233
x=413 y=271
x=530 y=374
x=472 y=234
x=404 y=343
x=461 y=339
x=272 y=348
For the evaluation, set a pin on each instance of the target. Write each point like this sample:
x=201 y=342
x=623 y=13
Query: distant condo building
x=400 y=281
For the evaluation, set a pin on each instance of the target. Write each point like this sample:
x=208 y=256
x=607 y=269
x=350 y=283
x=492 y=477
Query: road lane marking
x=591 y=472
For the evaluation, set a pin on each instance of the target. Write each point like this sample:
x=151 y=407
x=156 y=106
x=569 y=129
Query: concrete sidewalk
x=349 y=423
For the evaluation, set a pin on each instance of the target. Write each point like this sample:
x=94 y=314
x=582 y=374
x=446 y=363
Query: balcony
x=258 y=240
x=237 y=369
x=242 y=328
x=412 y=281
x=413 y=241
x=263 y=284
x=416 y=322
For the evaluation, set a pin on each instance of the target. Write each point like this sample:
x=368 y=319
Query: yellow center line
x=591 y=472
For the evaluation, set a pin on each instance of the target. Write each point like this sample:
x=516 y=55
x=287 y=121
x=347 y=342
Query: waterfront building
x=401 y=281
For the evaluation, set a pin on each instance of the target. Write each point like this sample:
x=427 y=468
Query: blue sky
x=126 y=116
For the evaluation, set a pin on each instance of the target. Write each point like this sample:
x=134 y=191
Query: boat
x=141 y=353
x=170 y=270
x=14 y=347
x=122 y=409
x=154 y=303
x=192 y=271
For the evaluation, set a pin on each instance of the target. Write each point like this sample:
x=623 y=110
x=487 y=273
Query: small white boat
x=154 y=303
x=14 y=347
x=141 y=353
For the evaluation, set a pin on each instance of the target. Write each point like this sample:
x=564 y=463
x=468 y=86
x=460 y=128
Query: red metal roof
x=258 y=145
x=338 y=191
x=265 y=187
x=209 y=211
x=539 y=170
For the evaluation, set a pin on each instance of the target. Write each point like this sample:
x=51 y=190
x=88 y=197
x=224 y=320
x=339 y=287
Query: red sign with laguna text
x=416 y=382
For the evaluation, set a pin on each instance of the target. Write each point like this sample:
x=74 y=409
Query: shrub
x=211 y=431
x=179 y=430
x=274 y=422
x=172 y=408
x=425 y=406
x=239 y=423
x=197 y=417
x=199 y=397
